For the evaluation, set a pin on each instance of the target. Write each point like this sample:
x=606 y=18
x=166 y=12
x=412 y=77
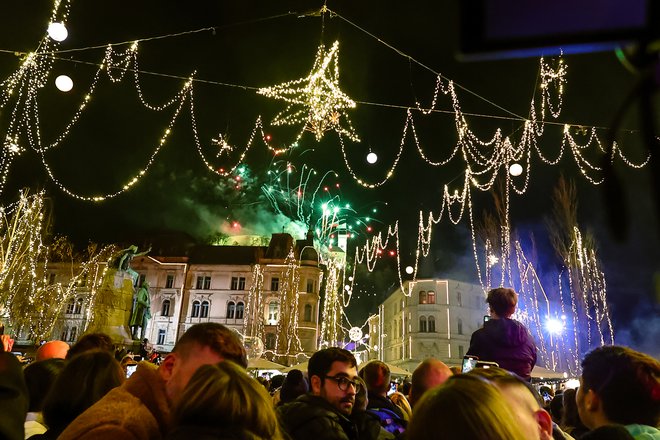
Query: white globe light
x=347 y=287
x=409 y=270
x=63 y=83
x=554 y=326
x=57 y=31
x=515 y=169
x=372 y=157
x=355 y=334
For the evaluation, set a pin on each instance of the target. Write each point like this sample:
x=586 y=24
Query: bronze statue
x=141 y=311
x=127 y=256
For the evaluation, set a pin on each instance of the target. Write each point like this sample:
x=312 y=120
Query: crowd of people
x=202 y=390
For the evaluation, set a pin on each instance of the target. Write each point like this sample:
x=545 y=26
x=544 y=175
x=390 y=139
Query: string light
x=316 y=101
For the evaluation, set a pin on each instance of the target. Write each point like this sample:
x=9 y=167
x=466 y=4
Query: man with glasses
x=325 y=412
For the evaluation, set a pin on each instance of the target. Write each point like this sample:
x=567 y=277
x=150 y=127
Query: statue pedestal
x=113 y=306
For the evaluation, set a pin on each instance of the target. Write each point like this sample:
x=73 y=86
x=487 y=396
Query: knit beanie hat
x=294 y=385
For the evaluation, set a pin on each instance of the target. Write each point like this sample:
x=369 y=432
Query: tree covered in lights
x=31 y=298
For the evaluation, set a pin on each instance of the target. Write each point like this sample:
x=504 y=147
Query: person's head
x=222 y=395
x=13 y=398
x=85 y=379
x=619 y=385
x=569 y=411
x=556 y=406
x=428 y=374
x=39 y=378
x=400 y=400
x=294 y=385
x=332 y=372
x=502 y=302
x=276 y=382
x=376 y=374
x=361 y=397
x=52 y=349
x=524 y=400
x=91 y=341
x=201 y=344
x=465 y=407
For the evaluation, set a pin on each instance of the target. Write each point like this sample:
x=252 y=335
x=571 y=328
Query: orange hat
x=52 y=349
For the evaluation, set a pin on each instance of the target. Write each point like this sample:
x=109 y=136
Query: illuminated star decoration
x=315 y=100
x=224 y=147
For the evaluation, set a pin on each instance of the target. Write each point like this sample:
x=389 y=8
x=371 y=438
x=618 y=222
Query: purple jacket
x=507 y=342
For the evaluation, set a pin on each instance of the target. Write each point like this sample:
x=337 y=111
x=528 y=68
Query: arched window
x=422 y=324
x=273 y=313
x=459 y=299
x=460 y=326
x=308 y=313
x=431 y=324
x=165 y=309
x=231 y=308
x=73 y=334
x=423 y=298
x=205 y=309
x=240 y=307
x=78 y=308
x=195 y=309
x=431 y=297
x=65 y=334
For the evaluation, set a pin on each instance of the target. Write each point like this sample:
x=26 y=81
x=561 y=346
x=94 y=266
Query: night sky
x=263 y=43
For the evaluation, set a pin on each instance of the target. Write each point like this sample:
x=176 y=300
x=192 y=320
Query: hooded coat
x=507 y=342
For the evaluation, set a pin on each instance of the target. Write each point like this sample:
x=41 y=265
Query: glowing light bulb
x=57 y=31
x=409 y=270
x=515 y=169
x=63 y=83
x=554 y=326
x=372 y=157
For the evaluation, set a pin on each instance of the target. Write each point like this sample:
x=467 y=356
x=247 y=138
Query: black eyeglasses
x=343 y=383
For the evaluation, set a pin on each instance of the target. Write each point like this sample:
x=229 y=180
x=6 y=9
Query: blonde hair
x=466 y=408
x=222 y=396
x=401 y=401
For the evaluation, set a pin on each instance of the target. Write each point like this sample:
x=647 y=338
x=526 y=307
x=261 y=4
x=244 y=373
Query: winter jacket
x=13 y=398
x=507 y=342
x=311 y=417
x=137 y=410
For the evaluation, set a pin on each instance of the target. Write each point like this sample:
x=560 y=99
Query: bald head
x=52 y=350
x=428 y=374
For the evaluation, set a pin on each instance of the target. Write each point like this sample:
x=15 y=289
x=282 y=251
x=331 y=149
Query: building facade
x=435 y=319
x=217 y=284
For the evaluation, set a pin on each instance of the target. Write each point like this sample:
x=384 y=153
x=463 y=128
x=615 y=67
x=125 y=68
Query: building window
x=169 y=282
x=195 y=309
x=65 y=334
x=307 y=316
x=161 y=336
x=203 y=283
x=273 y=313
x=460 y=326
x=270 y=341
x=70 y=306
x=78 y=308
x=205 y=309
x=431 y=324
x=51 y=278
x=274 y=284
x=231 y=308
x=165 y=310
x=310 y=286
x=401 y=328
x=240 y=308
x=431 y=297
x=423 y=298
x=73 y=334
x=237 y=283
x=460 y=351
x=459 y=299
x=422 y=324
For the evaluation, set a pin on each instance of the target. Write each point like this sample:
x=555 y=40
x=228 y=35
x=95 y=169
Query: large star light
x=315 y=100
